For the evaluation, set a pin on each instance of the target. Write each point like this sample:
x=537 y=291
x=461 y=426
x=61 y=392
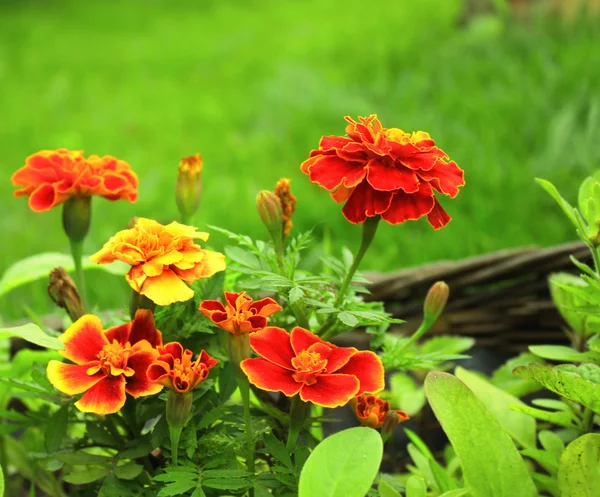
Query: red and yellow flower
x=50 y=177
x=108 y=363
x=320 y=372
x=241 y=314
x=384 y=172
x=161 y=259
x=371 y=410
x=175 y=369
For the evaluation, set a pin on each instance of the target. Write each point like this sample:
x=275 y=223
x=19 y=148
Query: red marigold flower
x=241 y=315
x=50 y=177
x=386 y=172
x=108 y=363
x=175 y=369
x=300 y=362
x=371 y=410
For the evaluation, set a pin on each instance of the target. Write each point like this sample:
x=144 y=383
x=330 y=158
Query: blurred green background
x=254 y=84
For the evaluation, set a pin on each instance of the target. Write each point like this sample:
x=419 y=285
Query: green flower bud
x=188 y=190
x=76 y=217
x=269 y=209
x=436 y=300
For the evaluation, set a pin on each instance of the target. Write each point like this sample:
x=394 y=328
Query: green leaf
x=33 y=334
x=565 y=384
x=386 y=490
x=518 y=425
x=447 y=344
x=343 y=465
x=552 y=443
x=458 y=492
x=1 y=482
x=348 y=319
x=56 y=429
x=545 y=459
x=39 y=266
x=295 y=294
x=128 y=471
x=562 y=353
x=81 y=458
x=210 y=417
x=243 y=257
x=579 y=469
x=406 y=394
x=504 y=378
x=86 y=475
x=277 y=449
x=560 y=418
x=486 y=452
x=227 y=383
x=415 y=487
x=564 y=205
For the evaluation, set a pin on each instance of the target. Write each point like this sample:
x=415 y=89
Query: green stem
x=300 y=315
x=421 y=330
x=175 y=434
x=299 y=411
x=244 y=387
x=77 y=253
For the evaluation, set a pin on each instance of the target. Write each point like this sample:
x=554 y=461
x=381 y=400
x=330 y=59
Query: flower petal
x=302 y=339
x=139 y=385
x=273 y=344
x=270 y=377
x=338 y=357
x=70 y=378
x=331 y=390
x=368 y=368
x=119 y=333
x=407 y=206
x=445 y=177
x=83 y=340
x=144 y=328
x=166 y=289
x=105 y=397
x=158 y=371
x=330 y=171
x=265 y=307
x=43 y=198
x=391 y=177
x=366 y=202
x=438 y=217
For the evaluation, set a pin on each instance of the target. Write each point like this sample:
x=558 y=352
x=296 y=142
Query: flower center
x=308 y=366
x=113 y=360
x=187 y=375
x=372 y=405
x=397 y=135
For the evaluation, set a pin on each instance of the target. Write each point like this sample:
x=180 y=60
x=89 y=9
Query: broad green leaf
x=579 y=469
x=343 y=465
x=56 y=429
x=128 y=471
x=561 y=418
x=589 y=372
x=348 y=319
x=406 y=395
x=458 y=492
x=386 y=490
x=504 y=378
x=518 y=425
x=447 y=344
x=81 y=458
x=565 y=384
x=486 y=452
x=552 y=443
x=562 y=353
x=39 y=266
x=545 y=459
x=564 y=205
x=415 y=487
x=421 y=463
x=86 y=475
x=34 y=334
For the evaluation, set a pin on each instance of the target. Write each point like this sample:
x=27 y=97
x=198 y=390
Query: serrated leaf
x=209 y=418
x=243 y=257
x=277 y=449
x=56 y=429
x=33 y=334
x=295 y=294
x=579 y=469
x=348 y=319
x=177 y=488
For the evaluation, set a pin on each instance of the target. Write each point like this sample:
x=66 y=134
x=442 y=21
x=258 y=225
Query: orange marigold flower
x=50 y=177
x=241 y=315
x=175 y=369
x=384 y=172
x=371 y=410
x=108 y=363
x=161 y=259
x=288 y=203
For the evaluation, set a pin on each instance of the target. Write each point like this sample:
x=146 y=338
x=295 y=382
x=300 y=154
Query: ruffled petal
x=368 y=368
x=158 y=372
x=302 y=339
x=405 y=206
x=331 y=171
x=207 y=360
x=265 y=307
x=253 y=323
x=139 y=385
x=331 y=390
x=72 y=379
x=391 y=177
x=83 y=340
x=438 y=217
x=446 y=178
x=105 y=397
x=366 y=202
x=273 y=344
x=43 y=198
x=270 y=377
x=166 y=289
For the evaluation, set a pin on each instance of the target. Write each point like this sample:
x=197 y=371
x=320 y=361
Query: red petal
x=254 y=323
x=83 y=340
x=143 y=328
x=105 y=397
x=333 y=142
x=392 y=177
x=368 y=368
x=339 y=357
x=302 y=339
x=175 y=349
x=265 y=307
x=366 y=202
x=331 y=390
x=445 y=178
x=209 y=306
x=270 y=377
x=405 y=206
x=72 y=379
x=159 y=371
x=273 y=344
x=438 y=217
x=331 y=172
x=43 y=198
x=119 y=333
x=207 y=360
x=139 y=384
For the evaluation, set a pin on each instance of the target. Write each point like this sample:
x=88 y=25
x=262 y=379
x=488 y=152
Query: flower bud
x=269 y=209
x=63 y=292
x=435 y=302
x=179 y=406
x=288 y=203
x=391 y=421
x=188 y=190
x=76 y=217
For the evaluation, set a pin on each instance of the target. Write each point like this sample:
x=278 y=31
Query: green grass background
x=253 y=84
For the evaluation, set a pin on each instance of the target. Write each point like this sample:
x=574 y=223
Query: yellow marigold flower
x=161 y=259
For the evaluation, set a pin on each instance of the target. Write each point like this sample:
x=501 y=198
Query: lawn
x=252 y=85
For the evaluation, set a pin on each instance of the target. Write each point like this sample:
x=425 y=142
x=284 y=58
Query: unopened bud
x=179 y=406
x=391 y=421
x=63 y=292
x=269 y=209
x=76 y=217
x=188 y=190
x=435 y=302
x=288 y=203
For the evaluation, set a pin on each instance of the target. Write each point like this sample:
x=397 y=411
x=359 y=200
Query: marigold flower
x=161 y=259
x=50 y=177
x=108 y=363
x=386 y=172
x=371 y=410
x=241 y=315
x=175 y=369
x=288 y=203
x=300 y=362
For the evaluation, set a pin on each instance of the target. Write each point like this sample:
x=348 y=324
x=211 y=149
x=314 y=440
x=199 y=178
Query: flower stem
x=244 y=387
x=421 y=330
x=175 y=434
x=299 y=411
x=77 y=253
x=139 y=301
